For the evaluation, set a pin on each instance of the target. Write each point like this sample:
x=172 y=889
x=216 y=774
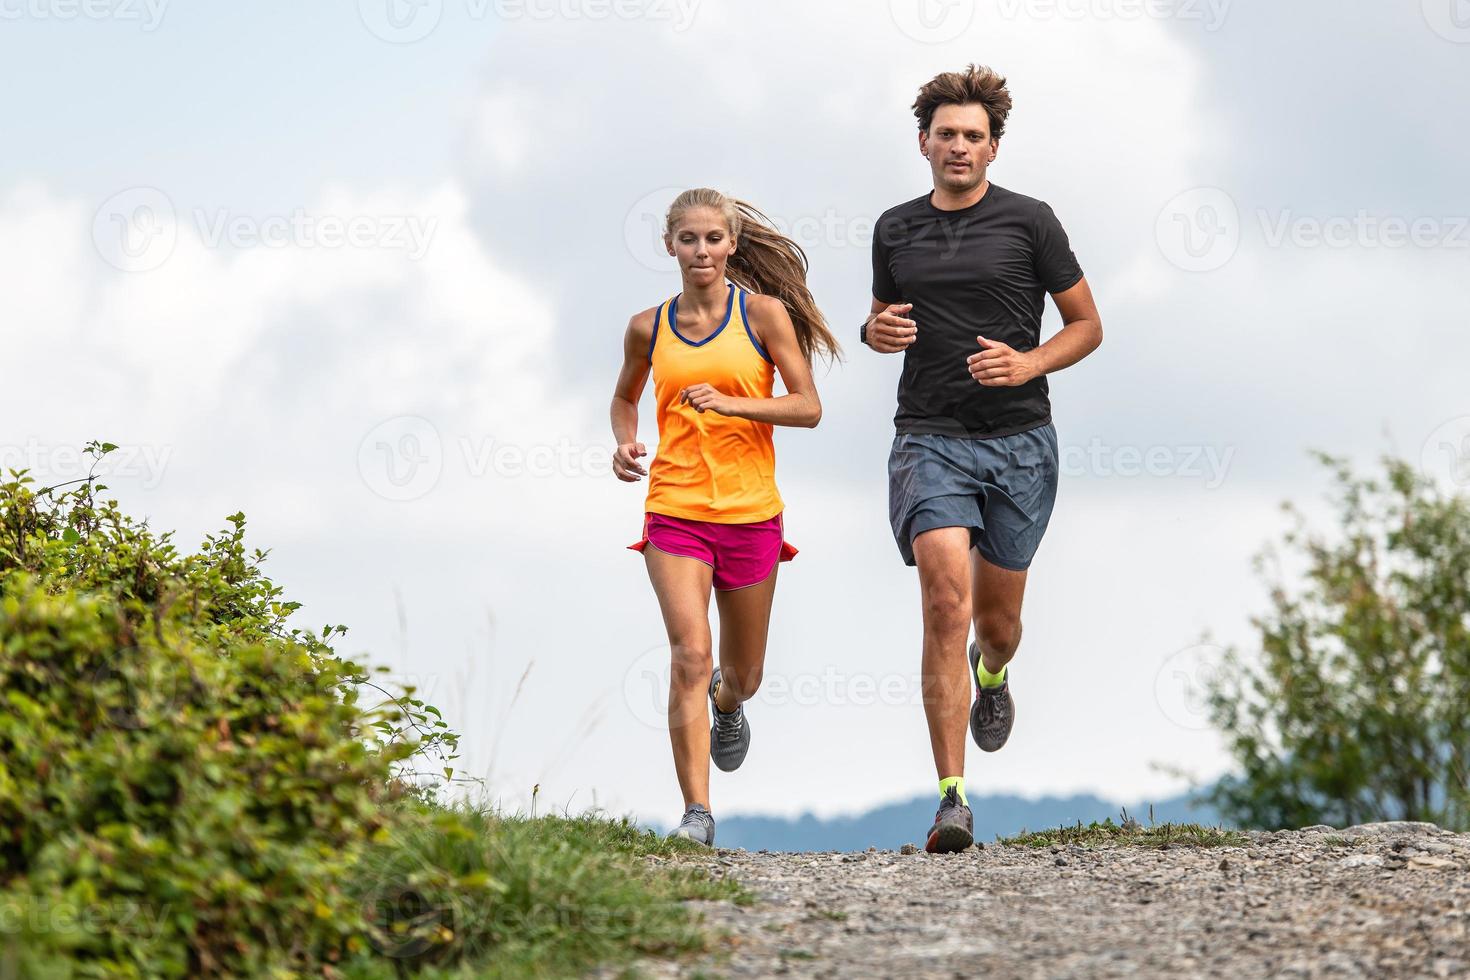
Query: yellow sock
x=958 y=782
x=987 y=679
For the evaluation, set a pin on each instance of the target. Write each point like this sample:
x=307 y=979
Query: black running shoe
x=994 y=711
x=729 y=736
x=954 y=829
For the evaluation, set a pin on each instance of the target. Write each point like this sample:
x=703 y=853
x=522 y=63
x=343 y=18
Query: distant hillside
x=896 y=824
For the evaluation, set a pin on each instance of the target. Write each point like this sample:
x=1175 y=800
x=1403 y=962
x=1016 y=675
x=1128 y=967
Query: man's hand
x=705 y=397
x=889 y=331
x=625 y=462
x=1000 y=365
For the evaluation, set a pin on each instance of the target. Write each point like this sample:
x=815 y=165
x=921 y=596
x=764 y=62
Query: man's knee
x=998 y=633
x=946 y=606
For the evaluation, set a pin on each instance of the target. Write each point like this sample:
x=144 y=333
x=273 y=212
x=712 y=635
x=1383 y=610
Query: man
x=959 y=277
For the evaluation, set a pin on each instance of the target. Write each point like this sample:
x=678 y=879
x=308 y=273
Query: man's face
x=959 y=146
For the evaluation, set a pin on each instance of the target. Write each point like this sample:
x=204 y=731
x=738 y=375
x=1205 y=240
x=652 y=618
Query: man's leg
x=944 y=582
x=996 y=606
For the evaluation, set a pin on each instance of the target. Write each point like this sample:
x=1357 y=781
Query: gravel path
x=1377 y=900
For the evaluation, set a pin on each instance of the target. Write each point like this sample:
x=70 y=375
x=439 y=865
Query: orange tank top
x=711 y=467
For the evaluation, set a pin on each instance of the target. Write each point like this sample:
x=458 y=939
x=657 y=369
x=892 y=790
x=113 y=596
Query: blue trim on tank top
x=658 y=314
x=751 y=333
x=674 y=319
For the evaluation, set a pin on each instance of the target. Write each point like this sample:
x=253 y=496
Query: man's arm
x=889 y=330
x=1001 y=365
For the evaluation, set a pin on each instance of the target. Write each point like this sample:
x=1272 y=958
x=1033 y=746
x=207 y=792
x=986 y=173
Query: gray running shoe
x=953 y=828
x=698 y=825
x=729 y=736
x=993 y=712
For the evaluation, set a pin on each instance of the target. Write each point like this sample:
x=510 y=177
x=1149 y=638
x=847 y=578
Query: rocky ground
x=1377 y=900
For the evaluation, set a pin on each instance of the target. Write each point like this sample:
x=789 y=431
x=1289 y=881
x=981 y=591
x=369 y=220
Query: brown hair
x=977 y=84
x=766 y=262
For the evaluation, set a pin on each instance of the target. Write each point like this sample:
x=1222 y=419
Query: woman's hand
x=705 y=398
x=625 y=462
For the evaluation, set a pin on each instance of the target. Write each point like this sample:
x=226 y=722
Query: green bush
x=186 y=785
x=1354 y=707
x=190 y=787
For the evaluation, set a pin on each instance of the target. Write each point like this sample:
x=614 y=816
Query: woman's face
x=702 y=243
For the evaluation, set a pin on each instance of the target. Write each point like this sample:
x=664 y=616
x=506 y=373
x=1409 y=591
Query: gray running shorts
x=1001 y=488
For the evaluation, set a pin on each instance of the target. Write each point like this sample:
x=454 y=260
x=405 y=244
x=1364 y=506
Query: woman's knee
x=691 y=663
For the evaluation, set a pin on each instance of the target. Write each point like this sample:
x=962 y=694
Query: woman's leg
x=683 y=587
x=745 y=619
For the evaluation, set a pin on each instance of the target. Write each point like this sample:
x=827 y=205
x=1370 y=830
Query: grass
x=1130 y=833
x=468 y=892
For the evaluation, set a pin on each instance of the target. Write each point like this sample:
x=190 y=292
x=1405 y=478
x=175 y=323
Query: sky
x=361 y=269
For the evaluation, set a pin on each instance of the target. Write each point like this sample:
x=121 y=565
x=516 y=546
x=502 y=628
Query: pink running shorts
x=740 y=554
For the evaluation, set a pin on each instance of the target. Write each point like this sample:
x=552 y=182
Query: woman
x=714 y=516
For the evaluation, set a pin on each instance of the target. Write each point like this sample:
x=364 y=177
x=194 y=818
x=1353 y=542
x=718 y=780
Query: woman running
x=714 y=516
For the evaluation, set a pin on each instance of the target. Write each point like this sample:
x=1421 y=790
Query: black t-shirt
x=982 y=270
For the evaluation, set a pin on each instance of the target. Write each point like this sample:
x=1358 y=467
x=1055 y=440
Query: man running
x=959 y=277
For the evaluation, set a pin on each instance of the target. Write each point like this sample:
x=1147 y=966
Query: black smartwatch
x=863 y=333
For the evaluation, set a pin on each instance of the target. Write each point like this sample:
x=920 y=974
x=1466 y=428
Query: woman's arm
x=800 y=406
x=631 y=379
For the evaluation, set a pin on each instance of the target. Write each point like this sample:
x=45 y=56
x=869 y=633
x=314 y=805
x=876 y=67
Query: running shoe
x=729 y=736
x=994 y=711
x=954 y=829
x=698 y=825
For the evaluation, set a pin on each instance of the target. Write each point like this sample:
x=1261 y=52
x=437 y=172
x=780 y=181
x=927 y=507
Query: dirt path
x=1380 y=900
